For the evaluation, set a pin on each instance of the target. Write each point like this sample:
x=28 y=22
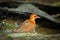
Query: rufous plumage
x=28 y=25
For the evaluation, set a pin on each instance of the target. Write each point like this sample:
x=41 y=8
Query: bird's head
x=33 y=17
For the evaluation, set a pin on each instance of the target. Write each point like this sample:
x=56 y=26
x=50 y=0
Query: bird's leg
x=34 y=31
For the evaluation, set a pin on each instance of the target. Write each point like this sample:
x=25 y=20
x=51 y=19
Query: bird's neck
x=32 y=20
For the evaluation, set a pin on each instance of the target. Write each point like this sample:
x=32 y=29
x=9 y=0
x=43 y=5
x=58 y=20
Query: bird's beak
x=38 y=17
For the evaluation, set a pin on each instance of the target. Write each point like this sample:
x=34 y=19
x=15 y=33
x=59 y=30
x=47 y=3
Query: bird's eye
x=35 y=16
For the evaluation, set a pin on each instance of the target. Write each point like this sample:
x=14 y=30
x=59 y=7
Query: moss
x=33 y=36
x=10 y=26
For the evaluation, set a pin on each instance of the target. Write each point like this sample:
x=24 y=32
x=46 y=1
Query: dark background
x=48 y=2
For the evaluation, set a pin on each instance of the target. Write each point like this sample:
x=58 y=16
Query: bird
x=28 y=25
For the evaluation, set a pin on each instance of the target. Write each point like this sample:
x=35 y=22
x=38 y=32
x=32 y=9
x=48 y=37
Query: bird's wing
x=27 y=26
